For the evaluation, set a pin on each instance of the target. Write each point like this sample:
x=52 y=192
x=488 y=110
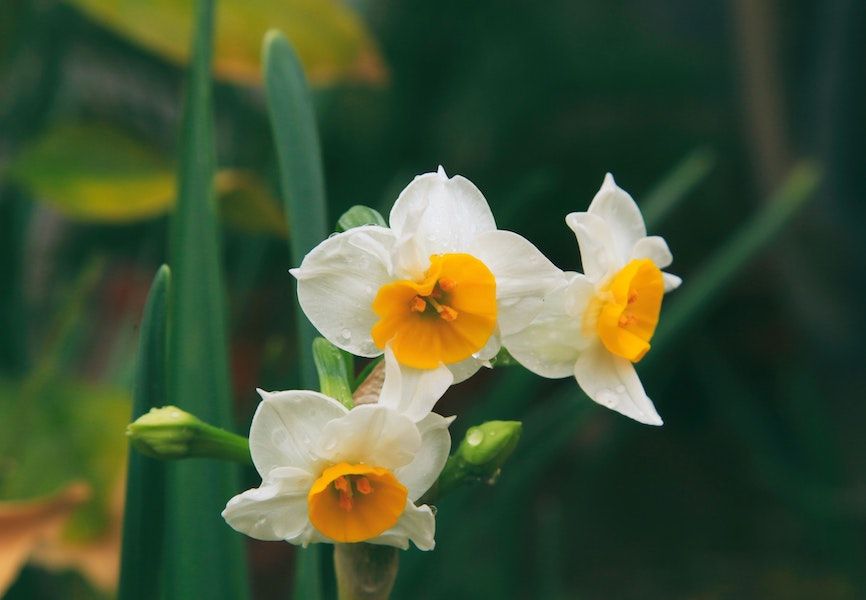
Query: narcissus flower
x=330 y=474
x=596 y=325
x=438 y=287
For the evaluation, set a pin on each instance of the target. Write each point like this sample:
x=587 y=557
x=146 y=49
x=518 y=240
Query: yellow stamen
x=362 y=484
x=630 y=310
x=458 y=317
x=447 y=285
x=346 y=517
x=417 y=304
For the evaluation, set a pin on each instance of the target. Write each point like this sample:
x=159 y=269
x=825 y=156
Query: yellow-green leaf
x=331 y=40
x=98 y=174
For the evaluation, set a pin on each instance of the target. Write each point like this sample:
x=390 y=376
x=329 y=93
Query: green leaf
x=96 y=173
x=303 y=190
x=204 y=558
x=144 y=515
x=331 y=367
x=332 y=41
x=299 y=157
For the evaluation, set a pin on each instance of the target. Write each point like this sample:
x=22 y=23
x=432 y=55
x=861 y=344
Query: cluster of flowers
x=440 y=292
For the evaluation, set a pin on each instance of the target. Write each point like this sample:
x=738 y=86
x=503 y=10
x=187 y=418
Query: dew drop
x=475 y=437
x=346 y=334
x=620 y=389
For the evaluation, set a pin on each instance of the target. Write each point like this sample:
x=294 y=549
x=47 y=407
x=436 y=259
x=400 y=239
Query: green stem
x=365 y=571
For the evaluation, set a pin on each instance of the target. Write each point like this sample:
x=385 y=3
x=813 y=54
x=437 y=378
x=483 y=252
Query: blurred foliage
x=98 y=174
x=331 y=41
x=754 y=486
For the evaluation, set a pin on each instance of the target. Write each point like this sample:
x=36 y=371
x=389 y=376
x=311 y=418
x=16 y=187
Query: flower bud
x=480 y=456
x=358 y=216
x=171 y=433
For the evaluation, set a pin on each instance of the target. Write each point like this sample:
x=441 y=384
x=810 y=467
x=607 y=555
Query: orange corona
x=629 y=309
x=353 y=503
x=445 y=317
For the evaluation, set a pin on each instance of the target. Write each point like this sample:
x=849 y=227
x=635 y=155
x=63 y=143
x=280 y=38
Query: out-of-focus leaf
x=96 y=173
x=246 y=204
x=99 y=174
x=332 y=41
x=203 y=557
x=24 y=525
x=667 y=194
x=141 y=566
x=75 y=435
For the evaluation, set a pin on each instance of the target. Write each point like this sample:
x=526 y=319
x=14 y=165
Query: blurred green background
x=753 y=488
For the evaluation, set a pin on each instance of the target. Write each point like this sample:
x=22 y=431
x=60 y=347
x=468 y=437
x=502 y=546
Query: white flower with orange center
x=439 y=287
x=330 y=474
x=595 y=326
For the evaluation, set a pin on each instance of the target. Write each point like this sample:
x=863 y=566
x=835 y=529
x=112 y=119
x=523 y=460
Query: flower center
x=630 y=309
x=353 y=503
x=446 y=317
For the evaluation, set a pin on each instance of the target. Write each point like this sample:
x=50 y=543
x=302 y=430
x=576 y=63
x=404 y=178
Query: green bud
x=358 y=216
x=170 y=433
x=479 y=457
x=486 y=447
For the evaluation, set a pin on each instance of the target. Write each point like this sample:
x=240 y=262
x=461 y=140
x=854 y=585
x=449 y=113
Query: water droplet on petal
x=346 y=334
x=620 y=389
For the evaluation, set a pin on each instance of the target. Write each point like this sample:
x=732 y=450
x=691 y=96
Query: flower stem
x=365 y=571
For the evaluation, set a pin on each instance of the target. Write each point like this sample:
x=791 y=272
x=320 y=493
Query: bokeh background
x=754 y=487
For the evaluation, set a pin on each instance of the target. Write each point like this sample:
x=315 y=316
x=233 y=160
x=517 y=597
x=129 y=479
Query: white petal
x=598 y=253
x=441 y=215
x=612 y=382
x=463 y=370
x=412 y=392
x=337 y=282
x=370 y=434
x=523 y=276
x=620 y=212
x=277 y=510
x=491 y=348
x=550 y=345
x=285 y=428
x=672 y=282
x=654 y=248
x=417 y=523
x=423 y=471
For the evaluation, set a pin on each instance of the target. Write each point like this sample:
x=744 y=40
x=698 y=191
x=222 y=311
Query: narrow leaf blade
x=302 y=187
x=204 y=557
x=143 y=517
